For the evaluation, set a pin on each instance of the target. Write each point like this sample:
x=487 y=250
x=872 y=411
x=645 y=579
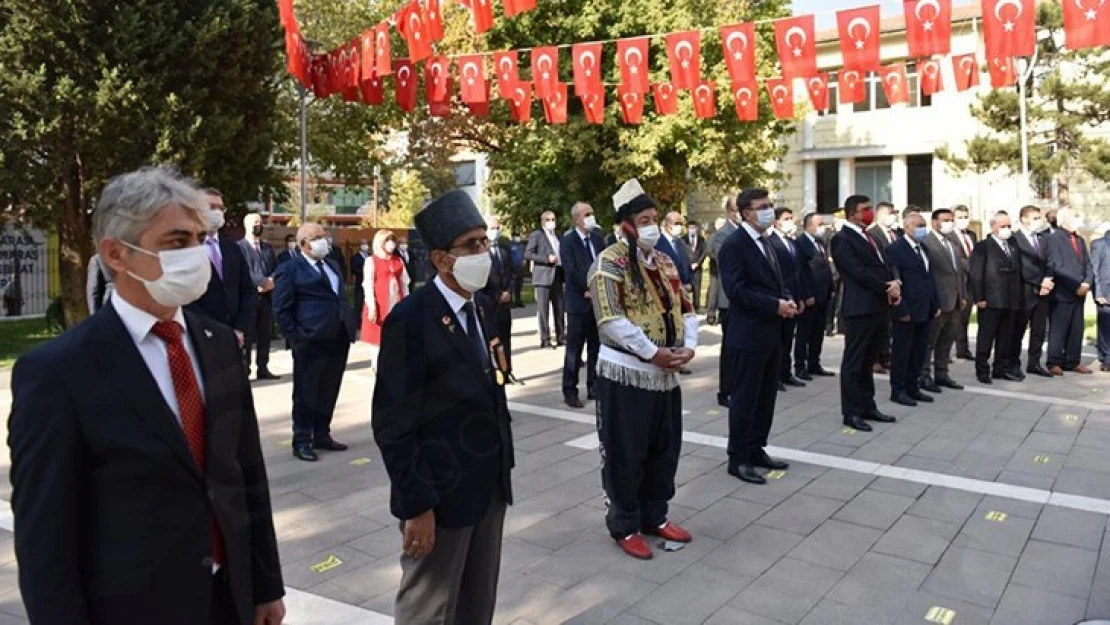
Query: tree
x=90 y=89
x=407 y=194
x=1066 y=98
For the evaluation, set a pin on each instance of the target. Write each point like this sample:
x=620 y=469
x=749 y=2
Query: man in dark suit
x=950 y=280
x=139 y=487
x=499 y=291
x=670 y=244
x=230 y=297
x=909 y=263
x=547 y=278
x=1069 y=267
x=415 y=273
x=796 y=275
x=758 y=302
x=312 y=309
x=813 y=254
x=336 y=255
x=996 y=290
x=869 y=292
x=882 y=232
x=1035 y=292
x=695 y=246
x=726 y=365
x=580 y=246
x=966 y=239
x=441 y=421
x=517 y=250
x=358 y=267
x=1100 y=266
x=290 y=250
x=262 y=263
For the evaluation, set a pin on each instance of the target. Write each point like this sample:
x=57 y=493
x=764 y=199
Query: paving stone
x=1012 y=507
x=725 y=519
x=360 y=585
x=577 y=561
x=839 y=485
x=875 y=509
x=1070 y=527
x=691 y=597
x=704 y=491
x=630 y=619
x=517 y=555
x=299 y=574
x=880 y=581
x=965 y=613
x=924 y=464
x=754 y=550
x=1024 y=605
x=843 y=448
x=596 y=600
x=563 y=528
x=919 y=539
x=729 y=615
x=898 y=487
x=1036 y=462
x=1099 y=605
x=1057 y=568
x=836 y=545
x=1045 y=442
x=970 y=575
x=1006 y=537
x=666 y=565
x=829 y=612
x=1089 y=459
x=773 y=492
x=1082 y=482
x=882 y=452
x=1017 y=478
x=936 y=448
x=801 y=514
x=994 y=445
x=788 y=591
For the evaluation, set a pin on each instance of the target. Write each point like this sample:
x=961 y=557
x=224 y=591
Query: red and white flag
x=433 y=20
x=781 y=91
x=481 y=12
x=373 y=92
x=746 y=97
x=587 y=68
x=410 y=21
x=1009 y=28
x=319 y=70
x=555 y=105
x=932 y=80
x=705 y=100
x=440 y=109
x=285 y=13
x=594 y=106
x=632 y=56
x=684 y=55
x=472 y=78
x=966 y=71
x=545 y=70
x=516 y=7
x=1003 y=73
x=480 y=109
x=1086 y=23
x=383 y=63
x=437 y=79
x=632 y=104
x=818 y=88
x=666 y=98
x=859 y=38
x=367 y=53
x=404 y=84
x=738 y=41
x=928 y=27
x=851 y=86
x=520 y=102
x=796 y=40
x=508 y=74
x=896 y=85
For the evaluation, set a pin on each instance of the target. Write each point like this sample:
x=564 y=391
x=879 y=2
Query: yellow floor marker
x=358 y=462
x=330 y=563
x=997 y=517
x=937 y=614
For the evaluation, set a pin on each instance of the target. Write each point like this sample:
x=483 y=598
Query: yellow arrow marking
x=330 y=563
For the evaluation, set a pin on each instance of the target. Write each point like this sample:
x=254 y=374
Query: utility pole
x=377 y=177
x=304 y=151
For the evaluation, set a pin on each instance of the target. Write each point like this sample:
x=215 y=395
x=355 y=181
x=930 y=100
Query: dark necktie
x=324 y=275
x=1035 y=240
x=1075 y=246
x=1005 y=248
x=874 y=246
x=472 y=331
x=921 y=255
x=769 y=253
x=589 y=248
x=191 y=406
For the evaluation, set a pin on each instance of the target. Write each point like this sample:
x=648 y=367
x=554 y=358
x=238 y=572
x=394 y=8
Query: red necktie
x=1075 y=246
x=867 y=235
x=967 y=243
x=191 y=405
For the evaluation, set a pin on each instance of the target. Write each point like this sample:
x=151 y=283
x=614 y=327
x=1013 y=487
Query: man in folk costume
x=648 y=332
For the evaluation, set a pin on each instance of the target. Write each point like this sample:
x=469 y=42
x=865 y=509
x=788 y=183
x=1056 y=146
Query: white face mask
x=472 y=272
x=1077 y=224
x=389 y=247
x=364 y=248
x=691 y=231
x=549 y=226
x=889 y=220
x=822 y=230
x=494 y=234
x=647 y=236
x=962 y=223
x=215 y=219
x=788 y=227
x=589 y=223
x=765 y=217
x=1037 y=225
x=946 y=227
x=292 y=245
x=1005 y=233
x=319 y=248
x=185 y=275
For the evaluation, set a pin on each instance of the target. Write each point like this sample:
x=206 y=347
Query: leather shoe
x=574 y=402
x=329 y=444
x=821 y=371
x=635 y=546
x=545 y=344
x=1056 y=370
x=877 y=368
x=559 y=344
x=782 y=387
x=927 y=383
x=793 y=381
x=983 y=378
x=921 y=397
x=722 y=400
x=685 y=371
x=767 y=462
x=857 y=423
x=1007 y=375
x=266 y=375
x=949 y=383
x=1084 y=369
x=746 y=473
x=1039 y=370
x=904 y=400
x=1105 y=367
x=669 y=531
x=304 y=452
x=801 y=374
x=875 y=415
x=965 y=356
x=591 y=396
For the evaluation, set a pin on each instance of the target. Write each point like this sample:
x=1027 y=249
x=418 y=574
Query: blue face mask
x=921 y=233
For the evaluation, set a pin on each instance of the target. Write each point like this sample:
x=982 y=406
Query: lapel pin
x=447 y=322
x=207 y=334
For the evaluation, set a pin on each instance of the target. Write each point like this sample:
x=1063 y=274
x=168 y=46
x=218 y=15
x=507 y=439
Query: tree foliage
x=407 y=195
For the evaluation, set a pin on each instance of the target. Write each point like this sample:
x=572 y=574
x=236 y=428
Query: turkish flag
x=373 y=92
x=437 y=79
x=594 y=106
x=404 y=81
x=684 y=54
x=1086 y=24
x=480 y=109
x=516 y=7
x=966 y=70
x=440 y=109
x=320 y=77
x=666 y=98
x=520 y=101
x=587 y=67
x=482 y=13
x=746 y=96
x=285 y=11
x=1009 y=28
x=1002 y=73
x=929 y=74
x=383 y=63
x=296 y=55
x=507 y=73
x=928 y=27
x=332 y=80
x=472 y=78
x=410 y=21
x=859 y=38
x=545 y=70
x=738 y=41
x=851 y=86
x=433 y=20
x=632 y=104
x=781 y=91
x=896 y=85
x=555 y=105
x=367 y=54
x=705 y=100
x=797 y=45
x=818 y=88
x=632 y=55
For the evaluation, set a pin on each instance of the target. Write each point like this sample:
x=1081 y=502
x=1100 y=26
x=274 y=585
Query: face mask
x=1077 y=224
x=648 y=236
x=589 y=223
x=921 y=233
x=962 y=223
x=889 y=220
x=549 y=226
x=185 y=275
x=404 y=247
x=946 y=227
x=1037 y=226
x=472 y=272
x=364 y=248
x=867 y=216
x=691 y=231
x=320 y=248
x=788 y=227
x=389 y=247
x=494 y=234
x=764 y=217
x=822 y=230
x=257 y=231
x=215 y=219
x=292 y=245
x=1005 y=233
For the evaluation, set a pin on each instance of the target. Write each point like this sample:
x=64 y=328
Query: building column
x=899 y=183
x=809 y=186
x=847 y=180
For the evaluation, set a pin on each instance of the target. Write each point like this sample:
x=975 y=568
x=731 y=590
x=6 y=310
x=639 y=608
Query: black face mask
x=256 y=231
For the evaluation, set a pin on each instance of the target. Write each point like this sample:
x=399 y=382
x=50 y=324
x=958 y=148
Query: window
x=834 y=97
x=465 y=174
x=919 y=180
x=876 y=96
x=873 y=178
x=828 y=185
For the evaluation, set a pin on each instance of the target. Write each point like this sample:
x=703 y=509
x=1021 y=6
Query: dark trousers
x=726 y=365
x=641 y=439
x=1104 y=334
x=835 y=322
x=962 y=343
x=551 y=296
x=518 y=288
x=907 y=355
x=360 y=296
x=260 y=339
x=883 y=355
x=752 y=407
x=505 y=331
x=862 y=336
x=318 y=366
x=222 y=610
x=810 y=337
x=996 y=332
x=712 y=295
x=1033 y=315
x=1065 y=334
x=581 y=332
x=786 y=336
x=695 y=283
x=942 y=334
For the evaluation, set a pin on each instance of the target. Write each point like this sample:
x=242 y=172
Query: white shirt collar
x=812 y=239
x=912 y=241
x=454 y=301
x=940 y=237
x=139 y=322
x=858 y=229
x=752 y=232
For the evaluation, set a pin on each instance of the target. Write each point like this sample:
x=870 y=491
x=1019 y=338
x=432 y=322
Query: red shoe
x=670 y=531
x=635 y=546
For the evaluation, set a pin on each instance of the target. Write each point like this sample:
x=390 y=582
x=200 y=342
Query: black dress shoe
x=328 y=444
x=932 y=386
x=590 y=396
x=1019 y=374
x=685 y=371
x=722 y=400
x=545 y=344
x=921 y=397
x=950 y=383
x=767 y=462
x=857 y=423
x=983 y=378
x=782 y=387
x=1039 y=370
x=746 y=473
x=802 y=374
x=965 y=356
x=876 y=415
x=821 y=371
x=560 y=343
x=904 y=400
x=266 y=375
x=304 y=452
x=574 y=402
x=1006 y=375
x=793 y=381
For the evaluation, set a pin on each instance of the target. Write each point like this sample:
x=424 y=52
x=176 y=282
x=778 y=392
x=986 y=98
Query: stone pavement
x=988 y=506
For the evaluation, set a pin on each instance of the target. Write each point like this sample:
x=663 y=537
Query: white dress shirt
x=918 y=249
x=456 y=302
x=139 y=324
x=332 y=278
x=554 y=240
x=866 y=237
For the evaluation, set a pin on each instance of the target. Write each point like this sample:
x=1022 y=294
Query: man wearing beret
x=648 y=332
x=441 y=421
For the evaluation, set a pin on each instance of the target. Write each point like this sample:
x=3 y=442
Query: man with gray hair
x=726 y=365
x=996 y=290
x=139 y=487
x=1069 y=267
x=262 y=262
x=580 y=247
x=548 y=279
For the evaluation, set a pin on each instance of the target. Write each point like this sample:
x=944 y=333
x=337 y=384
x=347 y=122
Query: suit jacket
x=305 y=306
x=879 y=234
x=262 y=263
x=696 y=252
x=795 y=272
x=1066 y=269
x=440 y=420
x=863 y=273
x=336 y=256
x=819 y=271
x=754 y=290
x=1033 y=264
x=230 y=299
x=679 y=256
x=286 y=256
x=114 y=518
x=502 y=274
x=576 y=264
x=358 y=265
x=538 y=250
x=1100 y=264
x=716 y=242
x=919 y=294
x=995 y=276
x=949 y=280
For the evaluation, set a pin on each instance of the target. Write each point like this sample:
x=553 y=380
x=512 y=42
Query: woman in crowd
x=385 y=282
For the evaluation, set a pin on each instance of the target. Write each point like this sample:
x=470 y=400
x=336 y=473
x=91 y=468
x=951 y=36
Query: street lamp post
x=1024 y=79
x=304 y=151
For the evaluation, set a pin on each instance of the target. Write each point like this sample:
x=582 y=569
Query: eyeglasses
x=476 y=245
